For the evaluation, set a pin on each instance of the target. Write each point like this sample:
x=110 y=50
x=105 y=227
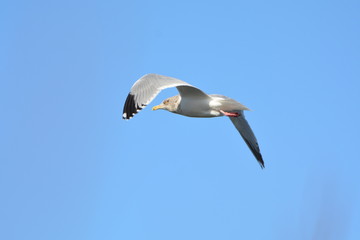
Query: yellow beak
x=157 y=107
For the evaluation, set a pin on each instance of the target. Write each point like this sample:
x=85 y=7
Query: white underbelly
x=196 y=108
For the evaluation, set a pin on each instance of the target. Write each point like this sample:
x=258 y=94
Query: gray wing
x=228 y=104
x=148 y=87
x=247 y=134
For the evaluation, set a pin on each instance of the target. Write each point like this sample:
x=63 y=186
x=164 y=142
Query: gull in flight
x=191 y=102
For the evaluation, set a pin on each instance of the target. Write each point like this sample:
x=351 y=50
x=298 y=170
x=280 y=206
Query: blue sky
x=71 y=168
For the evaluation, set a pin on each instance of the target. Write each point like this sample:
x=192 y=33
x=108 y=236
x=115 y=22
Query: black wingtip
x=261 y=162
x=258 y=157
x=256 y=152
x=130 y=107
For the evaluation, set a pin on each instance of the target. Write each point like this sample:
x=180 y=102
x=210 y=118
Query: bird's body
x=188 y=107
x=205 y=107
x=191 y=102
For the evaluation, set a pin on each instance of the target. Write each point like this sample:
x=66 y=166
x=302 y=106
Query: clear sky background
x=71 y=168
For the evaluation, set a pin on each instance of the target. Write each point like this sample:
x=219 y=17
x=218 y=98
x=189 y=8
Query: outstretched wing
x=148 y=87
x=247 y=134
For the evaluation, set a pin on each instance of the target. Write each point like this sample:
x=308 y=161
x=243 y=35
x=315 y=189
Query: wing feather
x=149 y=86
x=247 y=134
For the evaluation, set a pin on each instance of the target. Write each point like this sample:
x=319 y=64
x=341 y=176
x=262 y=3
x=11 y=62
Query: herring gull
x=192 y=102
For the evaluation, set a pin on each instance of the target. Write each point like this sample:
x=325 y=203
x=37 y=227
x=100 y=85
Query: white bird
x=192 y=102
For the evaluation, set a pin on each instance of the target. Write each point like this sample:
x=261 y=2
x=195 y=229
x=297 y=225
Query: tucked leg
x=230 y=114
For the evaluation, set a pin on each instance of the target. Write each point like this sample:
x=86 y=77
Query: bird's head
x=170 y=104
